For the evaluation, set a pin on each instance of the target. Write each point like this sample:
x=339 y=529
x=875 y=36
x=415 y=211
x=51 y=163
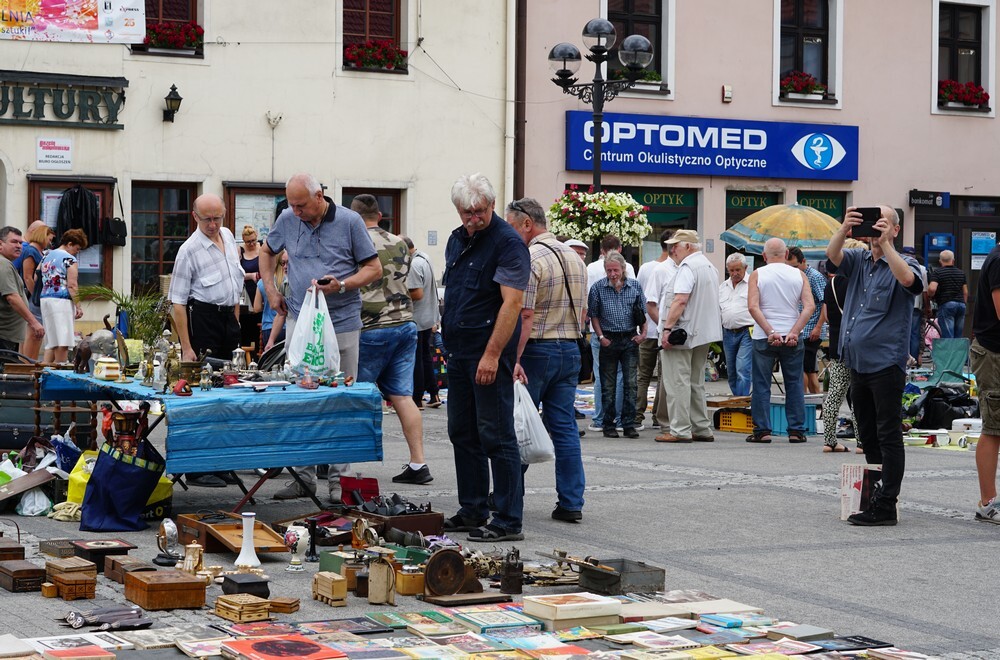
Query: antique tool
x=563 y=558
x=612 y=576
x=446 y=573
x=311 y=555
x=381 y=582
x=166 y=541
x=512 y=573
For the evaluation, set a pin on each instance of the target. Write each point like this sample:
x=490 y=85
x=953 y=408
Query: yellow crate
x=734 y=421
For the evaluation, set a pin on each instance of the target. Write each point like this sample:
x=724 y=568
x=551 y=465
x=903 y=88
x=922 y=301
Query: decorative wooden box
x=96 y=551
x=72 y=586
x=116 y=566
x=245 y=583
x=243 y=608
x=57 y=547
x=10 y=549
x=330 y=588
x=223 y=532
x=69 y=566
x=18 y=575
x=164 y=590
x=284 y=605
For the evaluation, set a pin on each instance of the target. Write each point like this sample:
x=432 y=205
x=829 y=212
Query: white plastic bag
x=34 y=503
x=313 y=343
x=533 y=440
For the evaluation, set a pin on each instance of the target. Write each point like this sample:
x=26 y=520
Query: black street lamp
x=635 y=53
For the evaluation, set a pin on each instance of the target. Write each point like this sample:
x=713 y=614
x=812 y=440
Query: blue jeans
x=951 y=319
x=878 y=425
x=915 y=334
x=386 y=357
x=790 y=359
x=598 y=419
x=481 y=430
x=739 y=357
x=553 y=368
x=621 y=356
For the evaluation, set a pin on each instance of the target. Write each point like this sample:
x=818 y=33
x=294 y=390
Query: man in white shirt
x=649 y=349
x=595 y=273
x=736 y=324
x=776 y=292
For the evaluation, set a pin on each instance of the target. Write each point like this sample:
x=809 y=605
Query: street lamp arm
x=585 y=91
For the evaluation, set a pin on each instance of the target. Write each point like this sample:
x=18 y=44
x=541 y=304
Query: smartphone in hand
x=869 y=216
x=323 y=282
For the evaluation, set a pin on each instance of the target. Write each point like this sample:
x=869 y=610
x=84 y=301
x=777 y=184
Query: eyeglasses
x=476 y=213
x=250 y=240
x=217 y=219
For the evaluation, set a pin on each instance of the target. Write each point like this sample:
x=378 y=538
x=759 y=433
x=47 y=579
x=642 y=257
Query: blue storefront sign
x=653 y=144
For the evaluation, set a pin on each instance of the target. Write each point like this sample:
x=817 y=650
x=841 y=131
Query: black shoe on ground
x=610 y=434
x=630 y=433
x=205 y=481
x=229 y=477
x=459 y=524
x=873 y=518
x=322 y=471
x=566 y=515
x=578 y=414
x=411 y=476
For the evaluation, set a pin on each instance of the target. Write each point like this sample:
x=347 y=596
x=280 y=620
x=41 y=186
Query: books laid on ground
x=708 y=653
x=370 y=649
x=434 y=629
x=669 y=624
x=103 y=639
x=503 y=634
x=434 y=653
x=893 y=653
x=164 y=638
x=89 y=652
x=850 y=643
x=646 y=654
x=595 y=622
x=359 y=625
x=11 y=647
x=396 y=620
x=471 y=642
x=201 y=649
x=734 y=620
x=576 y=634
x=570 y=606
x=801 y=632
x=278 y=646
x=256 y=628
x=744 y=633
x=786 y=646
x=484 y=619
x=644 y=610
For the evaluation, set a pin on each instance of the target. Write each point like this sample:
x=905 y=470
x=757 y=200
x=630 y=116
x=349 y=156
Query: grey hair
x=308 y=181
x=7 y=231
x=530 y=207
x=736 y=258
x=471 y=190
x=617 y=258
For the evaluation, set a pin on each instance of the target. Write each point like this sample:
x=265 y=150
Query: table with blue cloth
x=227 y=429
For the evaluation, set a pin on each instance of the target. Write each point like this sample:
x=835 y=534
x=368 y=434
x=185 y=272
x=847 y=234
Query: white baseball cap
x=576 y=243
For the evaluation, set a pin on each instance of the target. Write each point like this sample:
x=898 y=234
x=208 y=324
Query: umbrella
x=799 y=226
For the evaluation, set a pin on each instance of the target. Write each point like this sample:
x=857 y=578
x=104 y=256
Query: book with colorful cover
x=358 y=625
x=559 y=652
x=433 y=653
x=575 y=634
x=851 y=643
x=617 y=628
x=503 y=634
x=652 y=640
x=669 y=624
x=734 y=620
x=397 y=620
x=724 y=636
x=481 y=621
x=786 y=646
x=471 y=642
x=709 y=653
x=279 y=647
x=88 y=652
x=683 y=596
x=533 y=642
x=646 y=654
x=165 y=638
x=257 y=628
x=202 y=649
x=709 y=629
x=570 y=606
x=496 y=655
x=368 y=649
x=433 y=629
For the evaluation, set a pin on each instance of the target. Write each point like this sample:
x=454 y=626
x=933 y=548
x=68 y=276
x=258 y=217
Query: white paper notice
x=54 y=153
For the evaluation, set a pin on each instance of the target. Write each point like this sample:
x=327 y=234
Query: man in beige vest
x=694 y=308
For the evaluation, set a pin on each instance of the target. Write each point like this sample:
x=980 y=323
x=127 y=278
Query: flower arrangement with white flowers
x=590 y=216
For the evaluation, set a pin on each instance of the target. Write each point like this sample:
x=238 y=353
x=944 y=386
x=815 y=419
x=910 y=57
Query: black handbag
x=114 y=231
x=677 y=337
x=638 y=314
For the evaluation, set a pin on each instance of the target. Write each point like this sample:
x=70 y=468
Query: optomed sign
x=652 y=144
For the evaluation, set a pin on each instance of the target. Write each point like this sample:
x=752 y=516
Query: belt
x=741 y=329
x=208 y=307
x=539 y=341
x=624 y=333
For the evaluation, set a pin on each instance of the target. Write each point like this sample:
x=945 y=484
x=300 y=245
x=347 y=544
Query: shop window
x=834 y=204
x=254 y=204
x=808 y=42
x=45 y=193
x=388 y=203
x=161 y=222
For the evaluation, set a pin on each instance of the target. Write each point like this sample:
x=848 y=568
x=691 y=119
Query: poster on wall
x=256 y=211
x=54 y=153
x=87 y=21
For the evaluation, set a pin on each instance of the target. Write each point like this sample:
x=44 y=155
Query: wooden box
x=18 y=575
x=116 y=566
x=245 y=583
x=10 y=549
x=97 y=550
x=326 y=535
x=69 y=566
x=164 y=590
x=430 y=523
x=223 y=532
x=284 y=605
x=72 y=586
x=57 y=547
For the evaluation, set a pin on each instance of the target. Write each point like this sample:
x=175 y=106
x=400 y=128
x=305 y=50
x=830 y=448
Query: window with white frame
x=963 y=59
x=807 y=50
x=652 y=19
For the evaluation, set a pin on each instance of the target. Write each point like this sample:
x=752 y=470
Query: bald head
x=208 y=204
x=946 y=258
x=35 y=225
x=775 y=250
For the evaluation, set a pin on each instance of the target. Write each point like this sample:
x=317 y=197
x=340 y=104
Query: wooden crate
x=164 y=590
x=330 y=588
x=18 y=575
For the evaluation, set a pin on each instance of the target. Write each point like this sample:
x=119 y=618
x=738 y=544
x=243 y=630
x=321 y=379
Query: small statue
x=193 y=559
x=172 y=367
x=147 y=377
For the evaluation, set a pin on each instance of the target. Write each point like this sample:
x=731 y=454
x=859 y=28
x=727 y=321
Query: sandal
x=834 y=449
x=796 y=436
x=459 y=524
x=492 y=533
x=434 y=403
x=762 y=437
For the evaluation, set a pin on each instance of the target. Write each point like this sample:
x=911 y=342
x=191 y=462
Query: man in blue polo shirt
x=486 y=272
x=324 y=242
x=874 y=343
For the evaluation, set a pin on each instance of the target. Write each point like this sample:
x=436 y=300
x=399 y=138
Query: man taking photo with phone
x=880 y=290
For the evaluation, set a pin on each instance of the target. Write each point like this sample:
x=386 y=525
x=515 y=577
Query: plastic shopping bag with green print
x=313 y=344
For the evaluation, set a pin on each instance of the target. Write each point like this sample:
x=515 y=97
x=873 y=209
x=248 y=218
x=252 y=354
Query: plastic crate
x=779 y=423
x=733 y=421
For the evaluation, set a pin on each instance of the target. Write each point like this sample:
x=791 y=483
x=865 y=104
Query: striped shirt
x=204 y=273
x=546 y=293
x=950 y=281
x=613 y=309
x=817 y=282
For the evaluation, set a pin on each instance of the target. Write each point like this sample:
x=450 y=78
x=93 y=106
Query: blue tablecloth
x=239 y=429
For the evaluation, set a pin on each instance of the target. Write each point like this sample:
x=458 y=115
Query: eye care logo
x=818 y=151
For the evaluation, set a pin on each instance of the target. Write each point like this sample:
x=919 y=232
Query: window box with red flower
x=173 y=38
x=954 y=95
x=801 y=86
x=375 y=55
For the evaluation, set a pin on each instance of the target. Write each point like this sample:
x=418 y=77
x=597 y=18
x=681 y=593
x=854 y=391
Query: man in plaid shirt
x=817 y=283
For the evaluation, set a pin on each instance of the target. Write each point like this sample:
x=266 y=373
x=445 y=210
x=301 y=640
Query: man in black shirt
x=950 y=291
x=985 y=354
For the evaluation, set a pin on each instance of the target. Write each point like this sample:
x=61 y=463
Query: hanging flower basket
x=591 y=216
x=374 y=54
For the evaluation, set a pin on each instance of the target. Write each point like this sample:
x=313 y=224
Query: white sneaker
x=595 y=427
x=638 y=427
x=989 y=512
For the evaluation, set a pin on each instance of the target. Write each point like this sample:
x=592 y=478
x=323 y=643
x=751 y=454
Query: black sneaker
x=566 y=515
x=411 y=476
x=578 y=414
x=610 y=433
x=206 y=480
x=630 y=433
x=873 y=518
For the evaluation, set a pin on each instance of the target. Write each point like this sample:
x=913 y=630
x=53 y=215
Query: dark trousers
x=213 y=330
x=625 y=352
x=424 y=378
x=481 y=430
x=878 y=414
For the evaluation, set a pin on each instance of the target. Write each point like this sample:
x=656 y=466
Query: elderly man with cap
x=694 y=308
x=579 y=247
x=649 y=349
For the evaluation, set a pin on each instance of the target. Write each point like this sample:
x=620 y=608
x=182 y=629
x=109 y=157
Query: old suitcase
x=164 y=590
x=69 y=566
x=75 y=585
x=10 y=549
x=18 y=575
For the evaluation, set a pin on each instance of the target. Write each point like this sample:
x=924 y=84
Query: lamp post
x=599 y=35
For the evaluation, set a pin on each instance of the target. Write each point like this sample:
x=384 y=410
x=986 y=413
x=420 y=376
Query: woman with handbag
x=616 y=306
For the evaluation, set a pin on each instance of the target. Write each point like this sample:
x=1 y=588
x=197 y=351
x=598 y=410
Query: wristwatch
x=343 y=287
x=600 y=337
